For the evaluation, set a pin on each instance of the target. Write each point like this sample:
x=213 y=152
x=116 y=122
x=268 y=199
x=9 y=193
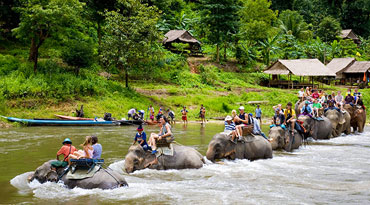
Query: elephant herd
x=253 y=147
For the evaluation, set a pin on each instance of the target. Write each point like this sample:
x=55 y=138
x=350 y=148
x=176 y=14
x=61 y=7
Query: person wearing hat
x=140 y=138
x=306 y=109
x=184 y=113
x=230 y=128
x=242 y=119
x=66 y=150
x=278 y=119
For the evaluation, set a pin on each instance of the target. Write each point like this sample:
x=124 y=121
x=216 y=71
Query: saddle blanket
x=164 y=151
x=82 y=173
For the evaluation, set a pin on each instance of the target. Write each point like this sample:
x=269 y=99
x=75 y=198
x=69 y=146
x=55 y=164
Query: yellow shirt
x=287 y=112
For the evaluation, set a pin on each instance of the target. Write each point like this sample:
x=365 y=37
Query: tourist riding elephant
x=255 y=147
x=103 y=179
x=282 y=139
x=358 y=117
x=183 y=158
x=340 y=122
x=317 y=129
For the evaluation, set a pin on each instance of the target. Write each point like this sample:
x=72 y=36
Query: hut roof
x=339 y=64
x=348 y=33
x=299 y=67
x=179 y=35
x=358 y=67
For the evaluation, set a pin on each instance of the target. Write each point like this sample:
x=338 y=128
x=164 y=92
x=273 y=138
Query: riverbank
x=218 y=101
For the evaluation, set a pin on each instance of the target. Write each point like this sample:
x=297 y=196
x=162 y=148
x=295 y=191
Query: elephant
x=183 y=158
x=358 y=117
x=278 y=140
x=103 y=179
x=317 y=129
x=298 y=107
x=255 y=147
x=340 y=122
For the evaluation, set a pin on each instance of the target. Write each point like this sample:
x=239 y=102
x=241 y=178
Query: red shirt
x=66 y=150
x=316 y=95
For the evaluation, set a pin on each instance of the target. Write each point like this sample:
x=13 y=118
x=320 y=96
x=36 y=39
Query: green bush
x=8 y=64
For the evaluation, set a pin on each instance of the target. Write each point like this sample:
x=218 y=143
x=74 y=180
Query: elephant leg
x=360 y=127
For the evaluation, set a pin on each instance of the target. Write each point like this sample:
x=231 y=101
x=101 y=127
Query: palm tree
x=292 y=23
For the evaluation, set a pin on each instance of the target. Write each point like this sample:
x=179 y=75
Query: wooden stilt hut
x=357 y=73
x=349 y=34
x=310 y=68
x=183 y=37
x=338 y=65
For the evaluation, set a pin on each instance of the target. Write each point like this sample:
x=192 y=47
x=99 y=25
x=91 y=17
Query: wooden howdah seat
x=87 y=164
x=247 y=130
x=165 y=142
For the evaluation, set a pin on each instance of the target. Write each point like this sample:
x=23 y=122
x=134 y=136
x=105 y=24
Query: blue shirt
x=229 y=127
x=98 y=149
x=309 y=110
x=141 y=137
x=258 y=112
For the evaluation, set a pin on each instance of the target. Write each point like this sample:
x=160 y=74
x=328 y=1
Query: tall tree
x=329 y=29
x=131 y=33
x=95 y=11
x=256 y=20
x=41 y=19
x=221 y=19
x=292 y=23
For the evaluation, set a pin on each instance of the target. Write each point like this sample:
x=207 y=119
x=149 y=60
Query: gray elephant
x=183 y=158
x=358 y=117
x=103 y=179
x=255 y=147
x=282 y=139
x=298 y=107
x=340 y=122
x=317 y=129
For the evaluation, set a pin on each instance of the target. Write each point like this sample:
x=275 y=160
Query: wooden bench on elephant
x=247 y=130
x=165 y=142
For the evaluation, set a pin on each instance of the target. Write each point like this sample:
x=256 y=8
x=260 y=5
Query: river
x=324 y=172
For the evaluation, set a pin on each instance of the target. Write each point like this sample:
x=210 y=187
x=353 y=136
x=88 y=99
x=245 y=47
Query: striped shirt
x=229 y=127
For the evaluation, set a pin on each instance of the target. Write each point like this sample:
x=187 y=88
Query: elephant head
x=309 y=125
x=220 y=147
x=137 y=159
x=336 y=118
x=44 y=173
x=277 y=137
x=350 y=109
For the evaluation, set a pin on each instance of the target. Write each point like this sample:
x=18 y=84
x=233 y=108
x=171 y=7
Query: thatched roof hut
x=182 y=36
x=358 y=67
x=179 y=36
x=338 y=65
x=349 y=34
x=300 y=67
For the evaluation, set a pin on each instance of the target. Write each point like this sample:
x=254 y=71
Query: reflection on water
x=335 y=171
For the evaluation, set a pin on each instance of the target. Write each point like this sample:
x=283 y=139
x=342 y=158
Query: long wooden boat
x=52 y=122
x=72 y=118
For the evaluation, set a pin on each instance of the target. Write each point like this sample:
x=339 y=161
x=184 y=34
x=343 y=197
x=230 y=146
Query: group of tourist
x=235 y=124
x=91 y=149
x=317 y=100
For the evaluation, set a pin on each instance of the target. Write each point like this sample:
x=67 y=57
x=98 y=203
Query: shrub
x=78 y=54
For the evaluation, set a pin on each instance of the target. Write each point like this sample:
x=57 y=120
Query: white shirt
x=300 y=93
x=132 y=111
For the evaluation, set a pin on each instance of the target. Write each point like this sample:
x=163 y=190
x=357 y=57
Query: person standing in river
x=259 y=114
x=202 y=114
x=184 y=113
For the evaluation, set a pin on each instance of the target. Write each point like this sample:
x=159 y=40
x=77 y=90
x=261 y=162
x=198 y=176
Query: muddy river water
x=324 y=172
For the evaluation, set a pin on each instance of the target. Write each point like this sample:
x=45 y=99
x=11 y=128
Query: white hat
x=241 y=108
x=228 y=118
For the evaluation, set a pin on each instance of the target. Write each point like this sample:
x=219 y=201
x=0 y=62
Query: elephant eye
x=136 y=161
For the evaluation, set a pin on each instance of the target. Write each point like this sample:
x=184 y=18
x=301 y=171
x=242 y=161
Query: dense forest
x=67 y=49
